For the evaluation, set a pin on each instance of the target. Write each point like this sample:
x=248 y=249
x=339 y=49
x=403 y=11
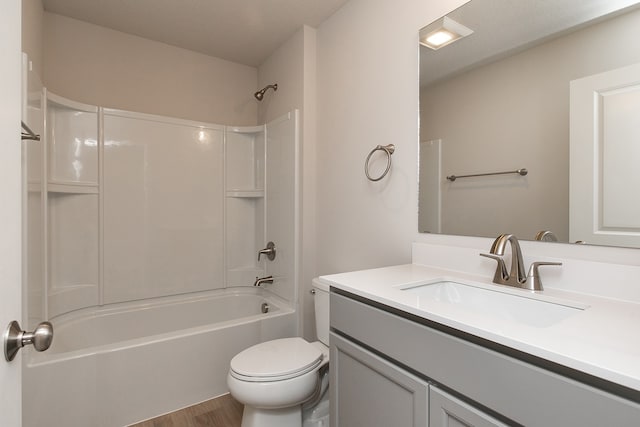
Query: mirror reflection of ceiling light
x=448 y=32
x=439 y=38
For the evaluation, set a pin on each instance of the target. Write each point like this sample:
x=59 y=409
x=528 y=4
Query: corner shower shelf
x=246 y=129
x=247 y=194
x=72 y=188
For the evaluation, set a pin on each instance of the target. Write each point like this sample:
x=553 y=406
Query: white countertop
x=602 y=340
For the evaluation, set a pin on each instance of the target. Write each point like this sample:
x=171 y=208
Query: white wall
x=293 y=67
x=368 y=95
x=98 y=66
x=284 y=67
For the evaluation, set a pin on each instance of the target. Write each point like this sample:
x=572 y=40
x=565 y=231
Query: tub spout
x=261 y=280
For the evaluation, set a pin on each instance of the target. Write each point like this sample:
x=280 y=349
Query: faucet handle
x=501 y=275
x=533 y=282
x=269 y=251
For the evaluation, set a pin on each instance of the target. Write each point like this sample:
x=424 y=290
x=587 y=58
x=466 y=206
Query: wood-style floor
x=223 y=411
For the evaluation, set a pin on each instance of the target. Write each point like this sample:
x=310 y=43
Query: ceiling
x=505 y=26
x=242 y=31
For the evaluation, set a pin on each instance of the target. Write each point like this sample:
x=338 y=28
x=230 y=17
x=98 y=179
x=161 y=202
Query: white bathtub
x=122 y=364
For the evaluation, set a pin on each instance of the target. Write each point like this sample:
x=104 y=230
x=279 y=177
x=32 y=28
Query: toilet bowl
x=274 y=379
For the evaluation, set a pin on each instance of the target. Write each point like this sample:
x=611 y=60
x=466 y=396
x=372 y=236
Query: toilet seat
x=276 y=360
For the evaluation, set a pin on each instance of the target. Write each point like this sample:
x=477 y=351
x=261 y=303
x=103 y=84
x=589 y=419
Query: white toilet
x=275 y=378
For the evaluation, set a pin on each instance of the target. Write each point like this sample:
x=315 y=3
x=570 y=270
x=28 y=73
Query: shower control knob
x=269 y=251
x=15 y=338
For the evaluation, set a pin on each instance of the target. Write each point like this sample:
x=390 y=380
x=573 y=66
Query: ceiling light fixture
x=446 y=33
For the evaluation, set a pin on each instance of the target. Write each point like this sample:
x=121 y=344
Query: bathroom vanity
x=410 y=346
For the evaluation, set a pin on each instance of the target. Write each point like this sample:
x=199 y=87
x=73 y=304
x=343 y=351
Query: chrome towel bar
x=521 y=172
x=388 y=149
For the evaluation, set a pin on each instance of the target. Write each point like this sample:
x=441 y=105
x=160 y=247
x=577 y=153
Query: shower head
x=260 y=94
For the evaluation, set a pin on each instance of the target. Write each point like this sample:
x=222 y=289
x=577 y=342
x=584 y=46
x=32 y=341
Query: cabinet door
x=448 y=411
x=368 y=391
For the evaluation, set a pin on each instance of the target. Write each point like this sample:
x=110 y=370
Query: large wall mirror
x=550 y=86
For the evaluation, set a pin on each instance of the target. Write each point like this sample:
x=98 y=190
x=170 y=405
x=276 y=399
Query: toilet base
x=284 y=417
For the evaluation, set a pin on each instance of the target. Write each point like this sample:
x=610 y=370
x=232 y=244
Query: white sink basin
x=513 y=305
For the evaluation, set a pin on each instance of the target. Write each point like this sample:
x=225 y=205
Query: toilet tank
x=321 y=305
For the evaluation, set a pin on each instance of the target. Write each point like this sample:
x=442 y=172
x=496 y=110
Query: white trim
x=161 y=119
x=75 y=105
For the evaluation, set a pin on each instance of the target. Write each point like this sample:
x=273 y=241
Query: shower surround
x=145 y=235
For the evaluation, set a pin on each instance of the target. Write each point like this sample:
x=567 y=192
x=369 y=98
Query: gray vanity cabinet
x=370 y=391
x=392 y=369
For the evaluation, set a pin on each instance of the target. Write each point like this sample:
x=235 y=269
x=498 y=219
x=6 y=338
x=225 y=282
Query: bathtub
x=116 y=365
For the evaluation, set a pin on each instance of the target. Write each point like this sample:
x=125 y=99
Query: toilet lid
x=276 y=360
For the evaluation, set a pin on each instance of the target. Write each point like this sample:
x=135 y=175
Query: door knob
x=15 y=338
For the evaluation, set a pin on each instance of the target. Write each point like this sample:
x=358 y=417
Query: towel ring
x=388 y=149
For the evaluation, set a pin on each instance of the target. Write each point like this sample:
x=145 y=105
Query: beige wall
x=98 y=66
x=511 y=114
x=32 y=24
x=368 y=95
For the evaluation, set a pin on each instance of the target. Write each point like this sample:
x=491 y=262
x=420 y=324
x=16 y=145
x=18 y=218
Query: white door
x=605 y=151
x=10 y=204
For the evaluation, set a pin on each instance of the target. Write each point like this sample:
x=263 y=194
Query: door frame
x=10 y=204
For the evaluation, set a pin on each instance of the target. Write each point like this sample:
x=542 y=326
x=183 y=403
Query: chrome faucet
x=516 y=276
x=261 y=280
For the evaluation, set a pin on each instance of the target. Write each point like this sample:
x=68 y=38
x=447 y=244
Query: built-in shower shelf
x=246 y=129
x=72 y=188
x=247 y=194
